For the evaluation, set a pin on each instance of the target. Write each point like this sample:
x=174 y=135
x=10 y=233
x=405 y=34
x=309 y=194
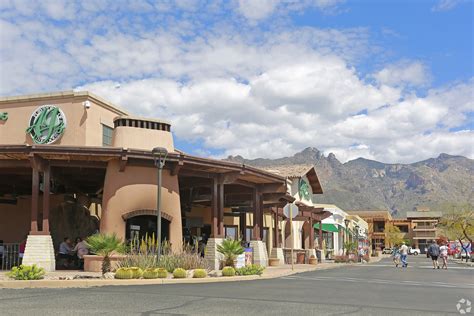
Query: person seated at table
x=80 y=249
x=65 y=252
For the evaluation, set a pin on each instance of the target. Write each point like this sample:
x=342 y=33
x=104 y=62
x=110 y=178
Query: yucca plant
x=230 y=249
x=105 y=245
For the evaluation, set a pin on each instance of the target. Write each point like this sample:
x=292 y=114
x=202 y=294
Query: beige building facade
x=72 y=164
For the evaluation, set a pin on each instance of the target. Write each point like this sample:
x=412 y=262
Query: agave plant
x=230 y=249
x=105 y=245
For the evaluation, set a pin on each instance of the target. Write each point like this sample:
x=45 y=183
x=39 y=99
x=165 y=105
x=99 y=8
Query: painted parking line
x=413 y=266
x=382 y=281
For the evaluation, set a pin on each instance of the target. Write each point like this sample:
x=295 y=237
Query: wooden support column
x=260 y=217
x=34 y=201
x=276 y=234
x=46 y=191
x=215 y=194
x=221 y=210
x=320 y=235
x=311 y=234
x=257 y=213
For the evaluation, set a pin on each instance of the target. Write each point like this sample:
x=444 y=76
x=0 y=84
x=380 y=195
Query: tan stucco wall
x=140 y=138
x=135 y=189
x=84 y=126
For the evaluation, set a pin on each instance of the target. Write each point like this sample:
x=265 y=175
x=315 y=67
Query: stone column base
x=311 y=252
x=39 y=250
x=212 y=256
x=278 y=253
x=260 y=255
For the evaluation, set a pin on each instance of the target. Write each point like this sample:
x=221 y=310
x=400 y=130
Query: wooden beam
x=221 y=210
x=177 y=167
x=46 y=191
x=215 y=227
x=271 y=188
x=34 y=201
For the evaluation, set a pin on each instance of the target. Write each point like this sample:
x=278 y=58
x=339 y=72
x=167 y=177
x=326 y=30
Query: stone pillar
x=260 y=255
x=40 y=251
x=212 y=256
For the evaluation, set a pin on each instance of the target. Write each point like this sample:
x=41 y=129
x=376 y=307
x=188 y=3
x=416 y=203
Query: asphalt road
x=373 y=289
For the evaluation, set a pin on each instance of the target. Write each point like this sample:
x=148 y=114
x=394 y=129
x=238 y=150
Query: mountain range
x=365 y=184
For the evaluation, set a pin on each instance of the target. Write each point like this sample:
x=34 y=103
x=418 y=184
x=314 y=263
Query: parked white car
x=414 y=251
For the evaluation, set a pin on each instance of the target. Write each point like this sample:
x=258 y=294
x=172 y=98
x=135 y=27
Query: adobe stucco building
x=72 y=164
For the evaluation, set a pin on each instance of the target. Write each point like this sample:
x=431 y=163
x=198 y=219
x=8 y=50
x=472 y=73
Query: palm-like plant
x=105 y=245
x=230 y=249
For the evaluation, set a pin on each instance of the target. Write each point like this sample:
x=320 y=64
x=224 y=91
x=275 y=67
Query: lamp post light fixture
x=159 y=156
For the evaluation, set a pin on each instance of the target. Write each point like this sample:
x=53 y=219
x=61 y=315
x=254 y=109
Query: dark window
x=403 y=228
x=107 y=135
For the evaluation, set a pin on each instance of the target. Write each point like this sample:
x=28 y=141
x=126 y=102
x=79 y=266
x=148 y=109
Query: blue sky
x=385 y=80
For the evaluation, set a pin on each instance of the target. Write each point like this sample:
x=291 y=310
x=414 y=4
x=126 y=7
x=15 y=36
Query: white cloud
x=257 y=9
x=412 y=73
x=233 y=87
x=445 y=5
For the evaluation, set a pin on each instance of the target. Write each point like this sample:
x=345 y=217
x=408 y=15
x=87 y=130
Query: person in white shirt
x=81 y=250
x=443 y=252
x=65 y=251
x=403 y=255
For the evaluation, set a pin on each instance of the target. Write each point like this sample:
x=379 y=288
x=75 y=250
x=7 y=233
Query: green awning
x=328 y=227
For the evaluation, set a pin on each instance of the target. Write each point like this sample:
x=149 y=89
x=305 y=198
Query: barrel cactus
x=137 y=272
x=228 y=271
x=179 y=273
x=124 y=273
x=150 y=273
x=199 y=273
x=162 y=273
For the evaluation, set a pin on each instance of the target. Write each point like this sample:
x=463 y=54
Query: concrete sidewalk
x=65 y=279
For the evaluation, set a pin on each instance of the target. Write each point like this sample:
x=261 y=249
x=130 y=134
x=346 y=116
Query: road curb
x=85 y=283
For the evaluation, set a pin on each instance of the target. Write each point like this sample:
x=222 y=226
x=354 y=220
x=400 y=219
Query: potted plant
x=313 y=260
x=105 y=245
x=272 y=262
x=230 y=249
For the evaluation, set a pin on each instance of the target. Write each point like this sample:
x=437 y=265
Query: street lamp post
x=159 y=156
x=346 y=222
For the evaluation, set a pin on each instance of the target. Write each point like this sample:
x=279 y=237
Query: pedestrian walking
x=396 y=255
x=433 y=251
x=443 y=252
x=403 y=255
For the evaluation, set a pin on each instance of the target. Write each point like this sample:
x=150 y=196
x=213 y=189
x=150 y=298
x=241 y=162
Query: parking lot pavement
x=374 y=289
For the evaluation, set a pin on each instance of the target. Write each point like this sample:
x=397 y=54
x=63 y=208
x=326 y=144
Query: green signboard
x=3 y=116
x=47 y=124
x=303 y=190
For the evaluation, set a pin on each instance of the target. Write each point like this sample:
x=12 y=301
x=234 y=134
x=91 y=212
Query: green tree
x=458 y=224
x=105 y=245
x=393 y=235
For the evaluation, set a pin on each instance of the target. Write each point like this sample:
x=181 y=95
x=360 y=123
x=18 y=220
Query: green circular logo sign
x=303 y=190
x=47 y=124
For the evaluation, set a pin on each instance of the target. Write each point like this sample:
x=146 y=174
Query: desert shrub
x=253 y=269
x=187 y=260
x=124 y=273
x=150 y=273
x=199 y=273
x=228 y=271
x=137 y=272
x=162 y=273
x=24 y=272
x=141 y=260
x=179 y=273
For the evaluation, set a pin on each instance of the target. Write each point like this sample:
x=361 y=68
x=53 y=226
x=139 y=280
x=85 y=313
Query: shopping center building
x=73 y=164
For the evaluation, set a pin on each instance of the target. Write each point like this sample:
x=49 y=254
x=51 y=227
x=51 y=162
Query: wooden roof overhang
x=306 y=213
x=20 y=156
